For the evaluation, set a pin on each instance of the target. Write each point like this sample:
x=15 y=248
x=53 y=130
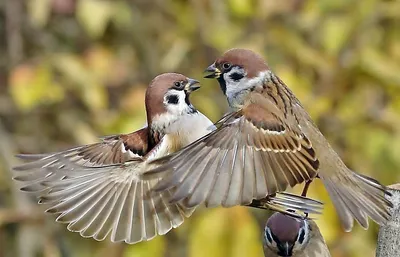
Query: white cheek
x=230 y=82
x=234 y=86
x=235 y=90
x=180 y=107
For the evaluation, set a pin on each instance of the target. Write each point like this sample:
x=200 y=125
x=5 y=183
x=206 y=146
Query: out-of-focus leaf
x=246 y=239
x=99 y=61
x=176 y=54
x=85 y=80
x=133 y=100
x=328 y=222
x=389 y=8
x=81 y=131
x=222 y=231
x=206 y=105
x=335 y=33
x=95 y=96
x=210 y=234
x=94 y=16
x=381 y=66
x=72 y=67
x=328 y=6
x=39 y=11
x=152 y=248
x=31 y=86
x=242 y=8
x=300 y=49
x=223 y=36
x=122 y=15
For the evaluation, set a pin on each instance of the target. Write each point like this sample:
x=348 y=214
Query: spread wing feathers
x=110 y=151
x=245 y=158
x=290 y=204
x=111 y=202
x=357 y=196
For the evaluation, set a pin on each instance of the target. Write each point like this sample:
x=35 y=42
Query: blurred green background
x=73 y=70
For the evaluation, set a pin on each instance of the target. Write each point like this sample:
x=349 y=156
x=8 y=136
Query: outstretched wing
x=112 y=201
x=116 y=149
x=253 y=153
x=96 y=189
x=112 y=150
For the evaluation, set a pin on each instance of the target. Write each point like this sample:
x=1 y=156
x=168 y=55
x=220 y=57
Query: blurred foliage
x=72 y=70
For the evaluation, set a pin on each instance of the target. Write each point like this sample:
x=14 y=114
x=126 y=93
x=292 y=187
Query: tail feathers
x=357 y=197
x=290 y=204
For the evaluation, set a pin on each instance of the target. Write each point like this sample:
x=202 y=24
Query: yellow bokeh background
x=74 y=70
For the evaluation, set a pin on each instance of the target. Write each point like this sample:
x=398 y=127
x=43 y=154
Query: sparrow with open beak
x=267 y=143
x=288 y=236
x=97 y=188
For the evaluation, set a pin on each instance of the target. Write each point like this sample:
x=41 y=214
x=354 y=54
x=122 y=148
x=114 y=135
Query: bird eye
x=226 y=65
x=178 y=84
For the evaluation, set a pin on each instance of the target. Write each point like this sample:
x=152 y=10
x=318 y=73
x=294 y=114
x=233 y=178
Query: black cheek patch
x=268 y=237
x=301 y=237
x=172 y=99
x=236 y=76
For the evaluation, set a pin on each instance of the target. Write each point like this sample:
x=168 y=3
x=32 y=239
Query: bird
x=264 y=145
x=97 y=189
x=289 y=236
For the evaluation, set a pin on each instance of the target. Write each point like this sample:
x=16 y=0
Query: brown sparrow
x=288 y=236
x=267 y=143
x=97 y=189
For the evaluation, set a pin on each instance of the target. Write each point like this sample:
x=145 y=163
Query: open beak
x=214 y=72
x=192 y=85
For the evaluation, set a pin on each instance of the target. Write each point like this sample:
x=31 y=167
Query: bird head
x=238 y=70
x=285 y=235
x=167 y=99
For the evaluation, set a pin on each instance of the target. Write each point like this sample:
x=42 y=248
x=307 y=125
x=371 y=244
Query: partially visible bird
x=288 y=236
x=266 y=144
x=97 y=188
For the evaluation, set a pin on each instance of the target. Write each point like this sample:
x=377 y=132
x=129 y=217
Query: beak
x=192 y=85
x=286 y=249
x=215 y=72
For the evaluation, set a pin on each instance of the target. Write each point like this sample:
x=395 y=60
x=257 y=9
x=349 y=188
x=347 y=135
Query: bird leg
x=305 y=189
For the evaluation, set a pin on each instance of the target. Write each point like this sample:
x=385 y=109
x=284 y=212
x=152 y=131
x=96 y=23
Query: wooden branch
x=389 y=234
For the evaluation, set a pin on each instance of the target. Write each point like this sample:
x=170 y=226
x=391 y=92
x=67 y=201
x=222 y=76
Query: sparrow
x=267 y=143
x=98 y=188
x=289 y=236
